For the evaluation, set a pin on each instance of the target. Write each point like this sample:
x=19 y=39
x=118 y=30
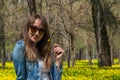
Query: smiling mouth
x=35 y=37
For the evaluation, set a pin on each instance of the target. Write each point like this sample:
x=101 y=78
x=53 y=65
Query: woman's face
x=36 y=31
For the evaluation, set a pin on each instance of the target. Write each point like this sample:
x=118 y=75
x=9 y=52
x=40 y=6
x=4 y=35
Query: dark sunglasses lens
x=33 y=29
x=41 y=30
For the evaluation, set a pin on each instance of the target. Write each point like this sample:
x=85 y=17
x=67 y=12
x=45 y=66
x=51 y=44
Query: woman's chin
x=34 y=40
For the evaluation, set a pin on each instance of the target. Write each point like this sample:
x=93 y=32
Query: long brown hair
x=42 y=48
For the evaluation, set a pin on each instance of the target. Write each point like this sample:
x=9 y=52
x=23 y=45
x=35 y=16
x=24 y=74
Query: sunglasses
x=34 y=29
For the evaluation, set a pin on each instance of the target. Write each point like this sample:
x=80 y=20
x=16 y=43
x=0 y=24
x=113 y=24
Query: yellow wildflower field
x=81 y=71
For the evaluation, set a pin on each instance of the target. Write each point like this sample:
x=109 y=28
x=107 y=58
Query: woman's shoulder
x=20 y=43
x=18 y=51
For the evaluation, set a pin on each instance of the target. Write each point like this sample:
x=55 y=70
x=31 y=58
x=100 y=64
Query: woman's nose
x=37 y=32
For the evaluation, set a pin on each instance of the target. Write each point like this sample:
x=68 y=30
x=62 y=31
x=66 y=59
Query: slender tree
x=2 y=33
x=40 y=6
x=89 y=48
x=32 y=7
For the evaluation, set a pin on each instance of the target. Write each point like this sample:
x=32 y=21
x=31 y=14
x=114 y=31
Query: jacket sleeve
x=18 y=57
x=54 y=73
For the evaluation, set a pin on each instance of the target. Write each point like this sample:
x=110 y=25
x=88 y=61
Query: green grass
x=81 y=71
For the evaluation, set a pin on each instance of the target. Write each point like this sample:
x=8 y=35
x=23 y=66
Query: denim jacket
x=29 y=70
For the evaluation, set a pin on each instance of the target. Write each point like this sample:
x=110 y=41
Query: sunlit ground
x=81 y=71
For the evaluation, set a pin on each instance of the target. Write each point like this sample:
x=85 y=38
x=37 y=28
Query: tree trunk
x=71 y=33
x=89 y=48
x=68 y=33
x=40 y=6
x=72 y=49
x=69 y=56
x=103 y=48
x=118 y=51
x=80 y=54
x=32 y=7
x=2 y=34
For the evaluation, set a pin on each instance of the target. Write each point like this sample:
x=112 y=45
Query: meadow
x=81 y=71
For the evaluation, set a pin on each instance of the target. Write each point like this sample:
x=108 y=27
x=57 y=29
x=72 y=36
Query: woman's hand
x=58 y=55
x=58 y=52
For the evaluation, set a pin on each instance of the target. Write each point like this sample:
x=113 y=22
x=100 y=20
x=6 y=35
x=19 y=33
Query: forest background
x=86 y=29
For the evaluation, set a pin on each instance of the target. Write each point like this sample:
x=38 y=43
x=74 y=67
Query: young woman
x=31 y=55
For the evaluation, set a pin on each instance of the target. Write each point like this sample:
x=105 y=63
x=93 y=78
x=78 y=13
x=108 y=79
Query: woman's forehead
x=38 y=23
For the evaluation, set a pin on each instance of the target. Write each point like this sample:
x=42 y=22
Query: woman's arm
x=55 y=74
x=57 y=63
x=18 y=57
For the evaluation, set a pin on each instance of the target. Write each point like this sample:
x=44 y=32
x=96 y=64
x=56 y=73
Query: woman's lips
x=35 y=37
